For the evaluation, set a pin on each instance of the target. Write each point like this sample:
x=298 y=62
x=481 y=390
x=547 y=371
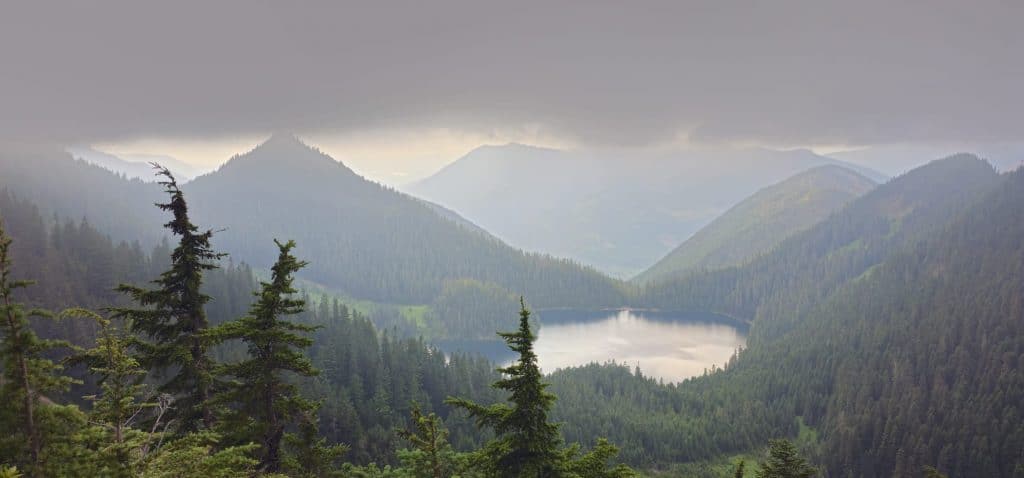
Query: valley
x=761 y=343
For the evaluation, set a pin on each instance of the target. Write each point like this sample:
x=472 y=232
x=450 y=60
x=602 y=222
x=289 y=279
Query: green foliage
x=28 y=375
x=262 y=402
x=469 y=309
x=762 y=221
x=432 y=456
x=198 y=455
x=368 y=241
x=432 y=453
x=527 y=443
x=308 y=455
x=118 y=447
x=172 y=317
x=740 y=469
x=595 y=463
x=785 y=462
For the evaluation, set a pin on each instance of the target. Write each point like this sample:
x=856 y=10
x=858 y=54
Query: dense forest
x=201 y=367
x=892 y=329
x=808 y=266
x=760 y=222
x=363 y=240
x=884 y=340
x=407 y=251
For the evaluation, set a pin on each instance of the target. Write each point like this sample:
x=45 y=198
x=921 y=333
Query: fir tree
x=739 y=469
x=120 y=448
x=27 y=374
x=527 y=444
x=785 y=462
x=310 y=455
x=171 y=317
x=264 y=402
x=430 y=441
x=595 y=463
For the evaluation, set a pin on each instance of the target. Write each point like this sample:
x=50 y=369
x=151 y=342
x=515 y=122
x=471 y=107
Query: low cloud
x=594 y=73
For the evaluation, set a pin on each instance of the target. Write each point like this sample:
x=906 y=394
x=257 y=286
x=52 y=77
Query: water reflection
x=669 y=347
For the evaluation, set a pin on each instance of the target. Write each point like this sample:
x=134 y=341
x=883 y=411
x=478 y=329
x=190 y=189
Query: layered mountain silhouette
x=762 y=221
x=619 y=213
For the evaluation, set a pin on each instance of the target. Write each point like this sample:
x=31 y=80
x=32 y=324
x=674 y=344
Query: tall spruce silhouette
x=170 y=319
x=527 y=444
x=26 y=372
x=264 y=400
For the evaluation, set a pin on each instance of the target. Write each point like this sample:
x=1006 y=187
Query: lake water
x=672 y=347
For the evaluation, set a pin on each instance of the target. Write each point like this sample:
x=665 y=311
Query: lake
x=672 y=347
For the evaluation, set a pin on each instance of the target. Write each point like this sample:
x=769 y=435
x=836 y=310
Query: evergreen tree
x=785 y=462
x=119 y=447
x=310 y=455
x=27 y=374
x=739 y=469
x=172 y=316
x=432 y=453
x=527 y=444
x=264 y=402
x=201 y=455
x=594 y=464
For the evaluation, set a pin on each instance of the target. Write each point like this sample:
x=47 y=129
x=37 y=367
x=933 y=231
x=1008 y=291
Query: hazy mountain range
x=762 y=221
x=136 y=166
x=619 y=214
x=867 y=325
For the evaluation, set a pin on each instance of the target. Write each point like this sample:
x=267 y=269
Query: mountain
x=362 y=239
x=762 y=221
x=899 y=158
x=135 y=166
x=61 y=185
x=454 y=217
x=896 y=214
x=888 y=336
x=619 y=214
x=367 y=240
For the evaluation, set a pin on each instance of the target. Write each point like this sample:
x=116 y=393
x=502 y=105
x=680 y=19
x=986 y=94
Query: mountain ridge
x=762 y=220
x=618 y=212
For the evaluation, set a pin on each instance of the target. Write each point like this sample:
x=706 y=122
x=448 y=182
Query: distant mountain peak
x=286 y=155
x=284 y=138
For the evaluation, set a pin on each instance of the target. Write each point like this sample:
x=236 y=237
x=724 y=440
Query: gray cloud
x=620 y=73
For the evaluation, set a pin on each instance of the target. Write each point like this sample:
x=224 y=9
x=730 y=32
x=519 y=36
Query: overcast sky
x=428 y=79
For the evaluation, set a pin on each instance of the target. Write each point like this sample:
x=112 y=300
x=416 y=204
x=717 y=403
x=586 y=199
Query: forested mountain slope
x=58 y=184
x=618 y=212
x=367 y=240
x=134 y=168
x=363 y=239
x=918 y=361
x=914 y=361
x=762 y=221
x=369 y=379
x=810 y=265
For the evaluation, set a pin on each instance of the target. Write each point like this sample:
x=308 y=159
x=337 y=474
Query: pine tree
x=309 y=454
x=27 y=374
x=594 y=464
x=120 y=448
x=264 y=402
x=171 y=317
x=739 y=469
x=430 y=440
x=527 y=444
x=785 y=462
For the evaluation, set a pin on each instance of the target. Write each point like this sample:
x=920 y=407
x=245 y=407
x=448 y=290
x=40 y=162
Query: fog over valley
x=521 y=240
